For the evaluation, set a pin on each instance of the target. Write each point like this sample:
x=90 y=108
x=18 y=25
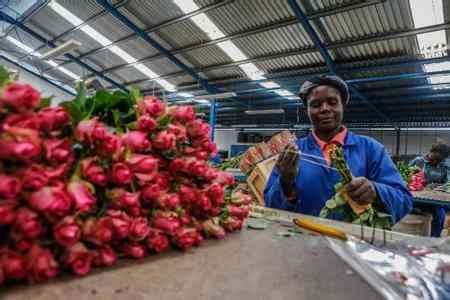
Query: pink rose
x=93 y=172
x=188 y=195
x=109 y=145
x=7 y=212
x=216 y=193
x=213 y=229
x=152 y=192
x=57 y=150
x=34 y=177
x=67 y=232
x=57 y=172
x=53 y=119
x=27 y=223
x=41 y=264
x=204 y=203
x=105 y=257
x=89 y=131
x=14 y=265
x=202 y=155
x=20 y=97
x=79 y=259
x=121 y=223
x=185 y=217
x=53 y=201
x=178 y=165
x=240 y=212
x=121 y=174
x=185 y=238
x=139 y=229
x=225 y=178
x=152 y=106
x=140 y=163
x=137 y=141
x=239 y=198
x=198 y=129
x=168 y=201
x=165 y=141
x=22 y=120
x=10 y=187
x=146 y=124
x=122 y=199
x=179 y=131
x=20 y=144
x=183 y=114
x=98 y=231
x=134 y=250
x=232 y=223
x=212 y=174
x=21 y=243
x=198 y=168
x=157 y=241
x=82 y=194
x=166 y=222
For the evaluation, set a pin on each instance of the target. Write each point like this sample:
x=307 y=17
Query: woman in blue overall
x=435 y=172
x=300 y=186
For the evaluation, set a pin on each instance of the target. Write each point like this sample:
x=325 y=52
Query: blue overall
x=315 y=184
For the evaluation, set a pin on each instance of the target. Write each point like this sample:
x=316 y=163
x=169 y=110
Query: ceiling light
x=204 y=23
x=187 y=6
x=232 y=51
x=216 y=96
x=65 y=13
x=202 y=101
x=185 y=95
x=265 y=111
x=270 y=85
x=166 y=85
x=61 y=49
x=122 y=54
x=22 y=46
x=97 y=36
x=293 y=98
x=283 y=93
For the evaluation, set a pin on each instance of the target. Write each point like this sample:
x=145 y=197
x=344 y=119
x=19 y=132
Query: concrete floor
x=247 y=265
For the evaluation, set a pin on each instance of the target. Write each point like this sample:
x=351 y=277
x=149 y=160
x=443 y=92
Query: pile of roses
x=78 y=196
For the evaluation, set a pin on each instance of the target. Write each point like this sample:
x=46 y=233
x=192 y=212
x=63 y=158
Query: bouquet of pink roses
x=101 y=177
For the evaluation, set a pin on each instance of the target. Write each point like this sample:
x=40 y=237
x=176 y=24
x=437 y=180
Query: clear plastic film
x=404 y=270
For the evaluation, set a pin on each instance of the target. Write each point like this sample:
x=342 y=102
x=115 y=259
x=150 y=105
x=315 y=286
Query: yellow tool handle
x=320 y=228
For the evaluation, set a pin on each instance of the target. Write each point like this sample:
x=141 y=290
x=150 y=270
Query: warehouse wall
x=225 y=138
x=44 y=87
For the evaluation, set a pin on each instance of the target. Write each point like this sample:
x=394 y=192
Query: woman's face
x=434 y=158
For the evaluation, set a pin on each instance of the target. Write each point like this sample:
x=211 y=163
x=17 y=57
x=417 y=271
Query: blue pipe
x=143 y=35
x=36 y=35
x=37 y=75
x=212 y=118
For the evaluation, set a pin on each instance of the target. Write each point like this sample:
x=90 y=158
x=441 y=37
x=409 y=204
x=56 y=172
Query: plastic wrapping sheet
x=404 y=270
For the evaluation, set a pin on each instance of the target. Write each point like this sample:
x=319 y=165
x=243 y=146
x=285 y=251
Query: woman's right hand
x=287 y=166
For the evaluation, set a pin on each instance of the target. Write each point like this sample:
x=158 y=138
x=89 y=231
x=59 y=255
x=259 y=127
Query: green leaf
x=324 y=212
x=164 y=121
x=73 y=110
x=80 y=99
x=5 y=77
x=45 y=102
x=135 y=95
x=330 y=204
x=339 y=200
x=116 y=118
x=89 y=107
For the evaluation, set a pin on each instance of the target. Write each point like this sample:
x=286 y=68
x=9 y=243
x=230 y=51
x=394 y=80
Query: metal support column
x=212 y=118
x=397 y=142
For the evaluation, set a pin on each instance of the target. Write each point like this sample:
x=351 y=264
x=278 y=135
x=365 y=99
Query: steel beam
x=39 y=37
x=212 y=118
x=62 y=88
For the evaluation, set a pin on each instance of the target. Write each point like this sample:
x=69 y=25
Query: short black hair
x=440 y=148
x=333 y=81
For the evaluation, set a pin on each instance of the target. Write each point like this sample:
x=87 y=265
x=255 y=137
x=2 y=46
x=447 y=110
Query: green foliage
x=5 y=77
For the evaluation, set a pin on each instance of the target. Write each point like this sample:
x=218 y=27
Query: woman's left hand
x=361 y=190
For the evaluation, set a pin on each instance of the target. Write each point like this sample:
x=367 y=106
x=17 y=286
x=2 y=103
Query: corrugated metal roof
x=155 y=11
x=291 y=62
x=183 y=34
x=207 y=56
x=54 y=23
x=82 y=9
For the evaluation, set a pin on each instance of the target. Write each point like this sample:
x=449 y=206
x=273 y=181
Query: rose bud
x=188 y=195
x=216 y=193
x=7 y=212
x=204 y=203
x=53 y=119
x=185 y=218
x=34 y=177
x=232 y=223
x=98 y=231
x=240 y=212
x=239 y=198
x=41 y=264
x=157 y=241
x=201 y=155
x=67 y=232
x=152 y=192
x=23 y=120
x=82 y=194
x=165 y=141
x=57 y=150
x=211 y=174
x=27 y=222
x=20 y=144
x=197 y=168
x=14 y=265
x=183 y=114
x=152 y=106
x=139 y=229
x=168 y=201
x=91 y=170
x=105 y=257
x=79 y=259
x=51 y=200
x=140 y=163
x=225 y=178
x=179 y=131
x=168 y=224
x=198 y=129
x=214 y=230
x=121 y=223
x=10 y=187
x=20 y=242
x=146 y=124
x=121 y=174
x=89 y=131
x=134 y=250
x=178 y=165
x=185 y=238
x=20 y=97
x=136 y=141
x=109 y=145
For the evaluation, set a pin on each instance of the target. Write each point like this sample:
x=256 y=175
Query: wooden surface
x=247 y=265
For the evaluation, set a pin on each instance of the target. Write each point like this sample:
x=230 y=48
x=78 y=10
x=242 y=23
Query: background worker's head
x=439 y=152
x=325 y=98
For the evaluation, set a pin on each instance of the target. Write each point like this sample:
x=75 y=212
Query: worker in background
x=300 y=186
x=435 y=172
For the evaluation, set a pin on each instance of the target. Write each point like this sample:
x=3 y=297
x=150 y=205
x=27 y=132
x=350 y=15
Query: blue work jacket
x=315 y=184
